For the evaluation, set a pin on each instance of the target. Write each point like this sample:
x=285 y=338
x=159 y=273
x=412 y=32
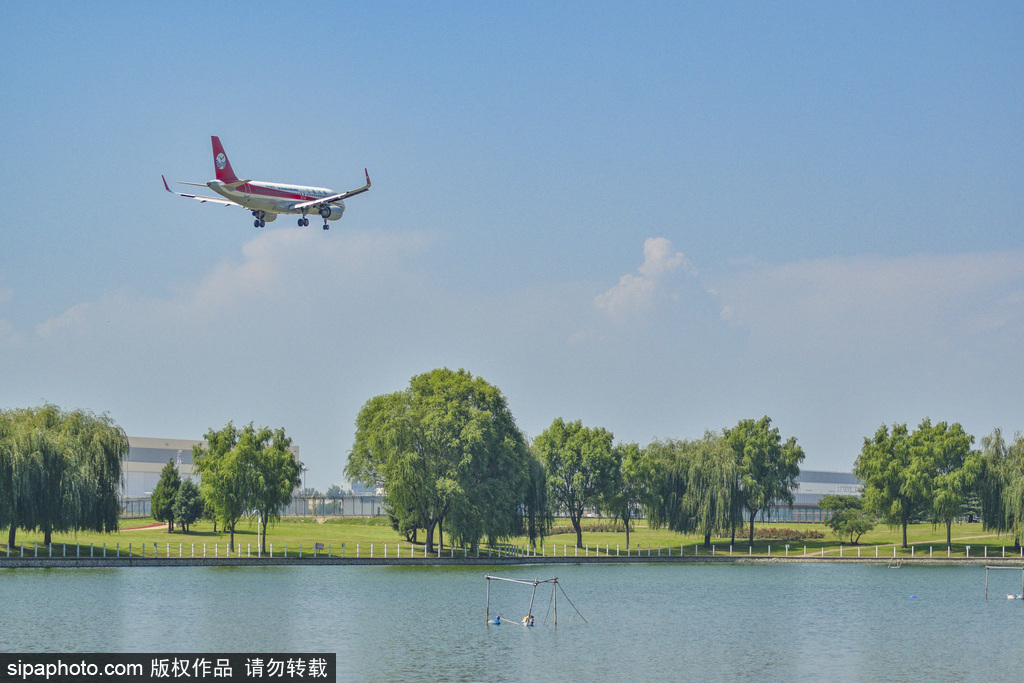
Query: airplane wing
x=200 y=198
x=335 y=197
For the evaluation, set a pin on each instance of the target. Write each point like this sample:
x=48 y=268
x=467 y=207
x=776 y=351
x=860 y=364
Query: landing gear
x=259 y=222
x=303 y=222
x=326 y=227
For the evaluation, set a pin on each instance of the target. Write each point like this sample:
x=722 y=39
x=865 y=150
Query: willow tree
x=712 y=498
x=694 y=486
x=20 y=468
x=104 y=448
x=668 y=465
x=537 y=518
x=1001 y=484
x=62 y=471
x=8 y=495
x=448 y=455
x=767 y=467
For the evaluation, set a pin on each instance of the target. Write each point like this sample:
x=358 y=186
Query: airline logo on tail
x=221 y=161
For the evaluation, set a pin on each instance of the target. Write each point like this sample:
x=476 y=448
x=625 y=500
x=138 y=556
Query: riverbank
x=362 y=539
x=106 y=562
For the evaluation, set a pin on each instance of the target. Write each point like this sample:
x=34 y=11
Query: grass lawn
x=357 y=535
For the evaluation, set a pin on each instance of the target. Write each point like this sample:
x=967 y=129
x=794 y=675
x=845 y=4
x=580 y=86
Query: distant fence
x=353 y=505
x=371 y=505
x=132 y=508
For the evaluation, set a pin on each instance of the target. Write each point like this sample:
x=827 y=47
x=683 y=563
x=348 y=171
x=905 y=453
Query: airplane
x=267 y=200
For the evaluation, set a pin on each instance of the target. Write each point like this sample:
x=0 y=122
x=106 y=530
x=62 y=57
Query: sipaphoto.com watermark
x=138 y=667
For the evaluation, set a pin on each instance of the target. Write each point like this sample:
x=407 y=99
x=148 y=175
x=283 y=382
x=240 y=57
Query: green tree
x=277 y=475
x=897 y=472
x=537 y=507
x=581 y=467
x=228 y=475
x=668 y=464
x=767 y=467
x=161 y=501
x=849 y=519
x=712 y=497
x=694 y=486
x=61 y=471
x=8 y=492
x=1001 y=484
x=246 y=471
x=102 y=447
x=957 y=470
x=629 y=493
x=188 y=504
x=448 y=455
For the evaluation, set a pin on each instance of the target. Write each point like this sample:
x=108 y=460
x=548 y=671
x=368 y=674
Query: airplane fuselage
x=267 y=200
x=277 y=197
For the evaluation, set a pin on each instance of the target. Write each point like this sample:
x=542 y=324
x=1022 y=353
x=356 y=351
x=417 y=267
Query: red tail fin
x=221 y=163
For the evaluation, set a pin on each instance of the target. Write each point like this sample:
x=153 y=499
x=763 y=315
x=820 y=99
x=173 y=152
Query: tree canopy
x=161 y=501
x=767 y=467
x=957 y=470
x=582 y=467
x=59 y=471
x=911 y=475
x=1001 y=484
x=628 y=494
x=188 y=505
x=694 y=486
x=849 y=519
x=448 y=454
x=246 y=471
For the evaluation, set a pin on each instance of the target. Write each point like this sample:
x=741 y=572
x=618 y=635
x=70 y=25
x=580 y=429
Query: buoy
x=496 y=621
x=912 y=597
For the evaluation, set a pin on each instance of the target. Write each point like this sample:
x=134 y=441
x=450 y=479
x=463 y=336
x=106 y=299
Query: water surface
x=645 y=621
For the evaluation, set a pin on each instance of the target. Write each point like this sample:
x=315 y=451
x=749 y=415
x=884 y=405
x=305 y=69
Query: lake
x=643 y=621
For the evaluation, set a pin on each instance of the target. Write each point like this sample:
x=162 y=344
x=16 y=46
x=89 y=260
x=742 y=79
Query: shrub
x=776 y=534
x=603 y=527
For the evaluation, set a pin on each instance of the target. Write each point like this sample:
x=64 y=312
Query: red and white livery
x=266 y=200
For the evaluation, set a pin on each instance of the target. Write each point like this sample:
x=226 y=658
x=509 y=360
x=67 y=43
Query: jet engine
x=332 y=212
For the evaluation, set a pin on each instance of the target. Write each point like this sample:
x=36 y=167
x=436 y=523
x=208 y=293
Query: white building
x=146 y=457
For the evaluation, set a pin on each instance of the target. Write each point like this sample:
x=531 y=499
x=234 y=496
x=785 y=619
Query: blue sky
x=659 y=218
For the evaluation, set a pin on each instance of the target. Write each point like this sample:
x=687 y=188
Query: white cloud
x=857 y=302
x=299 y=331
x=636 y=293
x=659 y=258
x=280 y=273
